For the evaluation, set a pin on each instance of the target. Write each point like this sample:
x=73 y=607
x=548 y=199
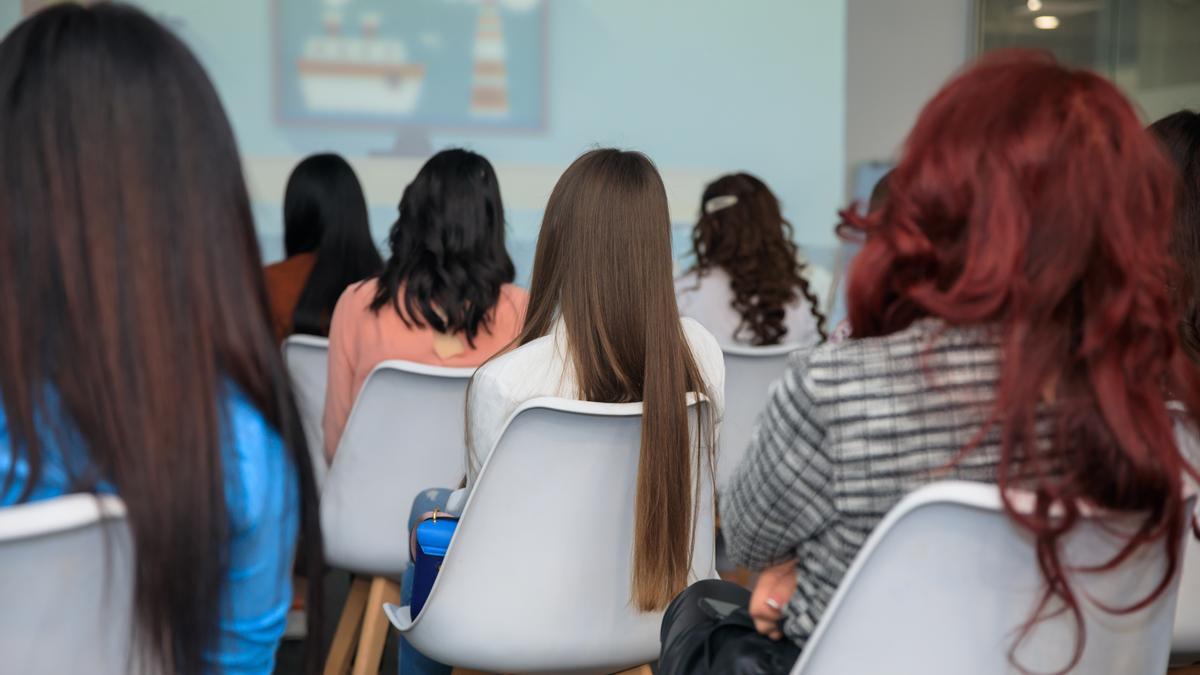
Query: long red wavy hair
x=1028 y=198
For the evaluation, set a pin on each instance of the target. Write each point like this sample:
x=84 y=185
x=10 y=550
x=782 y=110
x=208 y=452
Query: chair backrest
x=404 y=435
x=307 y=360
x=947 y=580
x=538 y=575
x=66 y=587
x=1185 y=642
x=749 y=374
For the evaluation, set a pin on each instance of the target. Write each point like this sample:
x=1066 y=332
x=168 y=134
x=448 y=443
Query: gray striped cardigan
x=849 y=430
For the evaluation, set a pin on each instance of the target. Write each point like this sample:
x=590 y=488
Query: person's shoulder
x=355 y=299
x=687 y=281
x=258 y=467
x=908 y=352
x=705 y=348
x=297 y=265
x=360 y=292
x=515 y=294
x=698 y=336
x=516 y=360
x=696 y=280
x=513 y=301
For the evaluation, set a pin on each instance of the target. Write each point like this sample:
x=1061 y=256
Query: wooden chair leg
x=345 y=639
x=375 y=626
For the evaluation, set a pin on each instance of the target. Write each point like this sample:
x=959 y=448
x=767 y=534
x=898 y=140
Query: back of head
x=1029 y=199
x=448 y=258
x=742 y=231
x=1179 y=134
x=127 y=249
x=603 y=264
x=325 y=212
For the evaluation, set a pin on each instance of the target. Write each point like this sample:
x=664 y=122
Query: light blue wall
x=755 y=85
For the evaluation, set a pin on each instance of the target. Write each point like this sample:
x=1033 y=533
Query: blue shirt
x=263 y=503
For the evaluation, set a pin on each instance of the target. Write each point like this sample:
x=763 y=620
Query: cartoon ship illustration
x=361 y=75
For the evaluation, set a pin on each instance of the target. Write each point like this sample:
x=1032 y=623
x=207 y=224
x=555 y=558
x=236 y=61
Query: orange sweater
x=360 y=339
x=285 y=283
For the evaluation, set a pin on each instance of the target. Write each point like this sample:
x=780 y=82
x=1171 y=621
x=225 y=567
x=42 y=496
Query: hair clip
x=719 y=202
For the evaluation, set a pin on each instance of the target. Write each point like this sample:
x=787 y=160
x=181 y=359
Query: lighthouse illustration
x=358 y=74
x=489 y=81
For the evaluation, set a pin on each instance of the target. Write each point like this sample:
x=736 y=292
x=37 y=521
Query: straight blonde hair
x=603 y=264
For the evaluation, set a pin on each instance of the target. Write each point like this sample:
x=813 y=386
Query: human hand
x=772 y=592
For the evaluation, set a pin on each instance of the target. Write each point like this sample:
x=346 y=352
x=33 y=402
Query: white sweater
x=709 y=300
x=540 y=368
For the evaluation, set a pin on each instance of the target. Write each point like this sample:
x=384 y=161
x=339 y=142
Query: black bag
x=721 y=640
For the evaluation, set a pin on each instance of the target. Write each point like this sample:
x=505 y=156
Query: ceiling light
x=1046 y=22
x=1034 y=5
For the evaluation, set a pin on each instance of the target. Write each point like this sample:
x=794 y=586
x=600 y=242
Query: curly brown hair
x=749 y=239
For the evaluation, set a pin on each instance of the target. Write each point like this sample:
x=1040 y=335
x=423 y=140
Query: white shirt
x=709 y=300
x=541 y=368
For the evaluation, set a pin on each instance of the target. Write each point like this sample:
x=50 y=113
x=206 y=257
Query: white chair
x=66 y=587
x=749 y=374
x=307 y=360
x=538 y=576
x=1185 y=644
x=404 y=435
x=946 y=581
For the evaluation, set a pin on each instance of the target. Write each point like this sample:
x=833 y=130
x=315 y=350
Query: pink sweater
x=360 y=339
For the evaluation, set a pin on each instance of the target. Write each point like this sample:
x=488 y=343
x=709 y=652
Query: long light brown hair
x=603 y=264
x=752 y=242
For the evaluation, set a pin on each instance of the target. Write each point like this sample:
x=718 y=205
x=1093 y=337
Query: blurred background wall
x=814 y=97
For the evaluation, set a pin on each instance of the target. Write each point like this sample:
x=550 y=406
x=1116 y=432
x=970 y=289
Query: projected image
x=428 y=63
x=30 y=6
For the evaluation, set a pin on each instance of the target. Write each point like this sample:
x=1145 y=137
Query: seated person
x=603 y=326
x=145 y=365
x=445 y=296
x=748 y=285
x=1179 y=134
x=328 y=242
x=1011 y=326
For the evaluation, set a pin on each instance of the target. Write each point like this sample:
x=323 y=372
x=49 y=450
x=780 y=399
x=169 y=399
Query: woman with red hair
x=1012 y=325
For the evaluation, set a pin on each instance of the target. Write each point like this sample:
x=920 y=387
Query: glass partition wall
x=1151 y=48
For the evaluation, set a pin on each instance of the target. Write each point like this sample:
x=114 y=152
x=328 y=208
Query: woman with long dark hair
x=1179 y=134
x=748 y=284
x=1012 y=325
x=445 y=296
x=327 y=239
x=143 y=363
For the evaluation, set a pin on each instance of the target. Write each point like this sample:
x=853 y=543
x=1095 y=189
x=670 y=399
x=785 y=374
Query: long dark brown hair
x=1029 y=198
x=130 y=275
x=603 y=264
x=743 y=232
x=1179 y=134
